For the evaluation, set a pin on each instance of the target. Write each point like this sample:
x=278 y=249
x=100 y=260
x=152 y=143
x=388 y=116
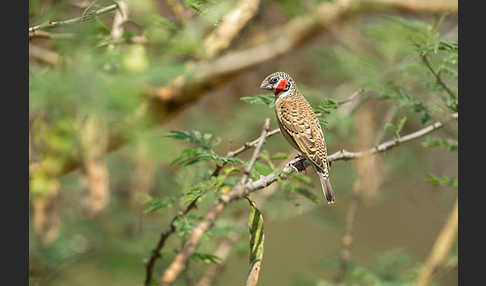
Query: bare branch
x=120 y=18
x=83 y=18
x=440 y=250
x=231 y=25
x=258 y=148
x=149 y=265
x=345 y=155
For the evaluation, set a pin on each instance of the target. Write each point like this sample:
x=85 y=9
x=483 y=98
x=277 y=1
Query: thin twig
x=86 y=17
x=440 y=250
x=258 y=148
x=437 y=77
x=149 y=265
x=241 y=191
x=345 y=155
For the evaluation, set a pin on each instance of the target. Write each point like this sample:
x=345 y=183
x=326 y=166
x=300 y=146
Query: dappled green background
x=394 y=229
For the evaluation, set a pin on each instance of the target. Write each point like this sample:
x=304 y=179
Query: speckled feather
x=300 y=126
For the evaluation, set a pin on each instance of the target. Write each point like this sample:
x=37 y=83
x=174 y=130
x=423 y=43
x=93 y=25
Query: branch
x=437 y=77
x=83 y=18
x=241 y=191
x=440 y=250
x=238 y=191
x=231 y=25
x=208 y=75
x=345 y=155
x=120 y=18
x=258 y=148
x=149 y=265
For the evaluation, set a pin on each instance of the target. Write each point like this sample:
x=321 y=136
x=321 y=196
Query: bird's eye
x=273 y=80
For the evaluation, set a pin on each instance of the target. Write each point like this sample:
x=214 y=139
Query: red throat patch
x=281 y=86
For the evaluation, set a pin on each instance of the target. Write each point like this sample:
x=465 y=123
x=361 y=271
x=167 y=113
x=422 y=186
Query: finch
x=300 y=126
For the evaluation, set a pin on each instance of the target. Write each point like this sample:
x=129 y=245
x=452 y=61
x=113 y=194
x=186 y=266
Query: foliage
x=257 y=237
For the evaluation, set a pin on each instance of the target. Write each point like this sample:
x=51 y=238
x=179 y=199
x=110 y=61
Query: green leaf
x=390 y=126
x=443 y=181
x=206 y=257
x=267 y=99
x=154 y=204
x=185 y=224
x=400 y=125
x=255 y=226
x=195 y=155
x=279 y=156
x=326 y=107
x=448 y=144
x=262 y=169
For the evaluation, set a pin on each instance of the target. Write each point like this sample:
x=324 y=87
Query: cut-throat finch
x=300 y=126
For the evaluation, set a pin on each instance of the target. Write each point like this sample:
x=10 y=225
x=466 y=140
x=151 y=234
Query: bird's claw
x=297 y=164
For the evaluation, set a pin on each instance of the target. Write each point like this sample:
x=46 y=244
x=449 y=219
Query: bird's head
x=278 y=82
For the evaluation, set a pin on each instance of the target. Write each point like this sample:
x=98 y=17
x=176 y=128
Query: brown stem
x=440 y=250
x=437 y=77
x=149 y=265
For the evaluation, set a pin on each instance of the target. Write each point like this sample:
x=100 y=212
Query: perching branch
x=440 y=250
x=230 y=26
x=241 y=191
x=149 y=265
x=238 y=191
x=83 y=18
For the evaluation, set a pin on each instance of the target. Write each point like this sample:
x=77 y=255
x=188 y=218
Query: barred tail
x=326 y=188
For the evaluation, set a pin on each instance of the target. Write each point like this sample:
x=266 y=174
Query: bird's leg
x=297 y=163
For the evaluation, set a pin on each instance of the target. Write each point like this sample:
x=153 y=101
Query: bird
x=300 y=126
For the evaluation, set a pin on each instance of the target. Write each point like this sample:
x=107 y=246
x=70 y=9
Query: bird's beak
x=266 y=86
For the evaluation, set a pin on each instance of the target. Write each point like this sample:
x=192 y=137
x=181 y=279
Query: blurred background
x=133 y=104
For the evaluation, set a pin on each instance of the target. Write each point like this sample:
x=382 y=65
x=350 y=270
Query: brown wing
x=299 y=121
